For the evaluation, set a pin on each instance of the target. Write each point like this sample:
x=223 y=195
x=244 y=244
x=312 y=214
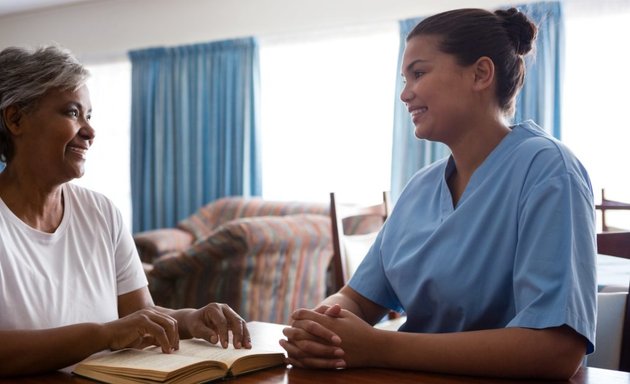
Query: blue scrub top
x=518 y=250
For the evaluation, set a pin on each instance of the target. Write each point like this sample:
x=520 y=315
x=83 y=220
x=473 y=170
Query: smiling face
x=53 y=139
x=437 y=92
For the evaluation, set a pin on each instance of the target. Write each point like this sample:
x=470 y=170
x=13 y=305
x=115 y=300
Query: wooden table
x=267 y=335
x=282 y=375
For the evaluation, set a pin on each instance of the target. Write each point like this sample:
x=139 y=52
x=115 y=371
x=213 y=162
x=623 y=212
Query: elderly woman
x=71 y=282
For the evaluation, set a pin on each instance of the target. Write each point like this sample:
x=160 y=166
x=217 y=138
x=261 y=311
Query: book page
x=148 y=363
x=266 y=335
x=196 y=376
x=203 y=350
x=148 y=360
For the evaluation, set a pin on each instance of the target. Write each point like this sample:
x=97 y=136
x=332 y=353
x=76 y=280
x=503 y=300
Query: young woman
x=491 y=252
x=71 y=281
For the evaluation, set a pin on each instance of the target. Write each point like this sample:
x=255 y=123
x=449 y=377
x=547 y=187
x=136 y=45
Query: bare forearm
x=511 y=352
x=345 y=302
x=31 y=352
x=352 y=301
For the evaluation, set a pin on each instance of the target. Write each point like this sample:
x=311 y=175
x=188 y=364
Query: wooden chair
x=610 y=205
x=354 y=229
x=614 y=244
x=612 y=348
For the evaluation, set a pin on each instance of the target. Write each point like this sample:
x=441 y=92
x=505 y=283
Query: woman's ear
x=12 y=115
x=484 y=73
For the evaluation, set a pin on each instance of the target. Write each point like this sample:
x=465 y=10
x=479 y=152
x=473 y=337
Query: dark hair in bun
x=520 y=30
x=504 y=36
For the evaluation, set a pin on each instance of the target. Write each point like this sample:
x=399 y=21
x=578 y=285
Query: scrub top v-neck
x=517 y=251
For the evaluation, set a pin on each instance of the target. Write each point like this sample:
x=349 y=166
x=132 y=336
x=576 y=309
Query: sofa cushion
x=226 y=209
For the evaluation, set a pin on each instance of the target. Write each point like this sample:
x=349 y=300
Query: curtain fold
x=539 y=99
x=194 y=127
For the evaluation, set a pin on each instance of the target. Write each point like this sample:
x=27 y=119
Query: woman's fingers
x=305 y=350
x=165 y=328
x=316 y=363
x=309 y=348
x=312 y=328
x=214 y=322
x=143 y=328
x=303 y=359
x=213 y=318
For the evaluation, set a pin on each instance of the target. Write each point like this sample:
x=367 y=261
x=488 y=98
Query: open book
x=196 y=361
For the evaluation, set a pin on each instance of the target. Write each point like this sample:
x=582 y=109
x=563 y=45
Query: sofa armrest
x=172 y=265
x=162 y=276
x=155 y=243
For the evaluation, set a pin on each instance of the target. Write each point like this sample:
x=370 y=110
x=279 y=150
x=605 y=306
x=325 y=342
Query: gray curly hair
x=26 y=75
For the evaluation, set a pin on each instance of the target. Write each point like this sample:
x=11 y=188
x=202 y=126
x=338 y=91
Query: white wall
x=103 y=30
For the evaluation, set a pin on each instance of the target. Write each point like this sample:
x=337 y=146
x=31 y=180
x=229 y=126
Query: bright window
x=107 y=166
x=597 y=83
x=327 y=113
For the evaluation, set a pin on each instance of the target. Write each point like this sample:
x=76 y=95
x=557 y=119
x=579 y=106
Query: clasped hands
x=154 y=326
x=327 y=337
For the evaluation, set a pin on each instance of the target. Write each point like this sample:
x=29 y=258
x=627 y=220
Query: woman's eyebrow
x=80 y=106
x=410 y=65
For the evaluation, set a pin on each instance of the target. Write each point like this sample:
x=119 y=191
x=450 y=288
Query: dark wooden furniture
x=268 y=334
x=348 y=220
x=283 y=375
x=610 y=205
x=614 y=244
x=618 y=244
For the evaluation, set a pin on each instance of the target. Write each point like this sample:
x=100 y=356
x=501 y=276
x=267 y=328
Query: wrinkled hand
x=143 y=328
x=310 y=343
x=213 y=323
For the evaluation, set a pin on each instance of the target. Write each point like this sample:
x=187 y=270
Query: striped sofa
x=156 y=243
x=263 y=267
x=263 y=258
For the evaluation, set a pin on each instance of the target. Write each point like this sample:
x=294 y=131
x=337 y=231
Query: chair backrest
x=610 y=205
x=614 y=244
x=612 y=346
x=354 y=230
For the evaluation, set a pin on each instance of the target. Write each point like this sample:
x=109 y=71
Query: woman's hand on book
x=143 y=328
x=213 y=323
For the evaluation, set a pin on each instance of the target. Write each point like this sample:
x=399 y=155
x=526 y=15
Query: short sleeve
x=129 y=272
x=554 y=270
x=370 y=279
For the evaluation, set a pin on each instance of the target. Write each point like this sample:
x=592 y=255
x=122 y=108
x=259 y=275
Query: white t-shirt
x=71 y=276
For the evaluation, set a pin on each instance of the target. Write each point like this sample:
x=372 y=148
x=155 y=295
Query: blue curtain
x=193 y=129
x=539 y=99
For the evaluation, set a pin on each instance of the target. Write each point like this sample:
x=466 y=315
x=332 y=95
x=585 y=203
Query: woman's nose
x=405 y=94
x=87 y=132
